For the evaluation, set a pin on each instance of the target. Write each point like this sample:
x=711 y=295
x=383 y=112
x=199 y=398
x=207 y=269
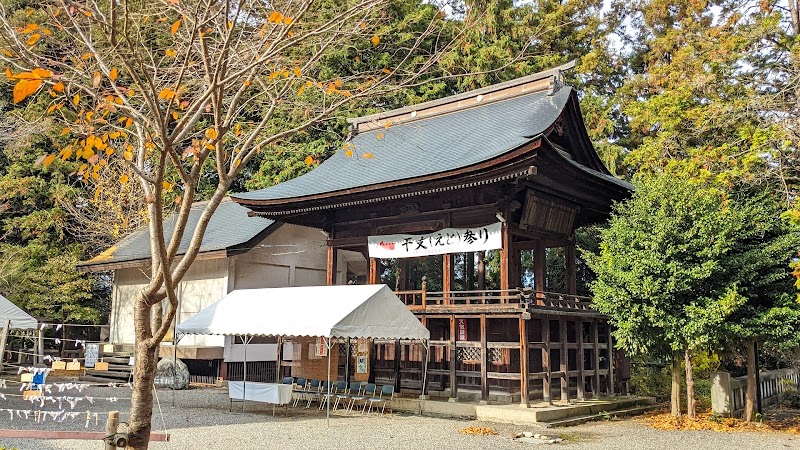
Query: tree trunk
x=144 y=371
x=691 y=406
x=750 y=394
x=675 y=401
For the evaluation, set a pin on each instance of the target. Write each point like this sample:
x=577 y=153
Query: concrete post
x=721 y=394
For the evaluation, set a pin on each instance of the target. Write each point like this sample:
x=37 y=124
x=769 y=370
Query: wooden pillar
x=447 y=275
x=610 y=356
x=374 y=276
x=398 y=352
x=332 y=265
x=539 y=268
x=347 y=358
x=469 y=271
x=596 y=374
x=581 y=368
x=524 y=371
x=564 y=360
x=571 y=269
x=484 y=361
x=515 y=275
x=3 y=340
x=505 y=257
x=453 y=359
x=481 y=270
x=546 y=359
x=39 y=346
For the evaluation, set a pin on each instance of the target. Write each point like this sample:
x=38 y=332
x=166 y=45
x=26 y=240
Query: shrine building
x=467 y=207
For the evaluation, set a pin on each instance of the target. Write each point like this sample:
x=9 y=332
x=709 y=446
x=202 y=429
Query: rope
x=160 y=412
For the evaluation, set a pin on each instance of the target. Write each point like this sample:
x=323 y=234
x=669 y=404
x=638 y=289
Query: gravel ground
x=201 y=420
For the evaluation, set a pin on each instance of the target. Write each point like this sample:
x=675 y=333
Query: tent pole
x=328 y=343
x=244 y=379
x=423 y=394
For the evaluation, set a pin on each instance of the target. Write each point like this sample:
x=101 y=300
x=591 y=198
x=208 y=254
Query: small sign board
x=59 y=365
x=101 y=366
x=26 y=378
x=74 y=365
x=462 y=329
x=321 y=349
x=362 y=364
x=91 y=354
x=108 y=348
x=33 y=393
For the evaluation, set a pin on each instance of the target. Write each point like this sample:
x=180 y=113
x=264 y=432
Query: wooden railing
x=421 y=299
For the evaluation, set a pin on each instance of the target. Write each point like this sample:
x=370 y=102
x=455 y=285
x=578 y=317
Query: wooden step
x=577 y=420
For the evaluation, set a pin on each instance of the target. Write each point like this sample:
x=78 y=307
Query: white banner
x=448 y=240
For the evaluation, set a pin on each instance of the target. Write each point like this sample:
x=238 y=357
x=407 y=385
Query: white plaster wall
x=127 y=284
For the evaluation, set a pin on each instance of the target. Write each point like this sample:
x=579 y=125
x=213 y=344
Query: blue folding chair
x=384 y=398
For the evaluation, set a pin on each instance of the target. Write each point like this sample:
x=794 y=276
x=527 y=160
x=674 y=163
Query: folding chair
x=354 y=389
x=385 y=397
x=367 y=393
x=298 y=393
x=313 y=390
x=341 y=386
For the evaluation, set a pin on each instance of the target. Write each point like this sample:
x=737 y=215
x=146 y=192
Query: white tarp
x=333 y=311
x=448 y=240
x=20 y=320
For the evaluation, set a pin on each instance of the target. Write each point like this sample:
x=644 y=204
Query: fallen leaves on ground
x=710 y=422
x=480 y=431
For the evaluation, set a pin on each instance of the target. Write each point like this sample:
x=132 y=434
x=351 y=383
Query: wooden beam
x=348 y=241
x=398 y=351
x=505 y=257
x=402 y=274
x=77 y=435
x=484 y=361
x=581 y=368
x=453 y=359
x=524 y=371
x=332 y=264
x=596 y=374
x=447 y=274
x=278 y=360
x=546 y=359
x=610 y=356
x=571 y=269
x=481 y=270
x=564 y=360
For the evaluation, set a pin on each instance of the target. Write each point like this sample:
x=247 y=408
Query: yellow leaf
x=209 y=146
x=30 y=28
x=275 y=17
x=58 y=87
x=48 y=160
x=309 y=160
x=109 y=151
x=127 y=155
x=96 y=175
x=375 y=40
x=348 y=153
x=368 y=155
x=88 y=14
x=246 y=83
x=25 y=88
x=87 y=56
x=174 y=115
x=379 y=136
x=7 y=53
x=66 y=153
x=175 y=26
x=113 y=74
x=114 y=134
x=76 y=99
x=388 y=124
x=128 y=122
x=300 y=91
x=211 y=134
x=33 y=39
x=297 y=72
x=123 y=178
x=96 y=79
x=287 y=20
x=166 y=94
x=54 y=107
x=65 y=131
x=170 y=52
x=166 y=186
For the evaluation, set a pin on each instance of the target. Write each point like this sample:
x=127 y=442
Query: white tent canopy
x=20 y=320
x=351 y=311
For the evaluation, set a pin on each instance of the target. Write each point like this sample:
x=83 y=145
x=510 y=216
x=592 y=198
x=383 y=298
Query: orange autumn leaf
x=30 y=28
x=287 y=20
x=48 y=160
x=379 y=136
x=175 y=26
x=348 y=153
x=96 y=79
x=368 y=155
x=297 y=72
x=166 y=94
x=123 y=178
x=127 y=155
x=25 y=88
x=113 y=74
x=58 y=87
x=76 y=99
x=33 y=39
x=166 y=185
x=375 y=40
x=309 y=160
x=170 y=52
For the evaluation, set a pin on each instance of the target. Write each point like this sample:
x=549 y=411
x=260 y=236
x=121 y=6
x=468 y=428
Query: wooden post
x=581 y=368
x=402 y=274
x=525 y=399
x=398 y=351
x=278 y=360
x=564 y=360
x=111 y=428
x=610 y=355
x=539 y=269
x=347 y=358
x=571 y=269
x=3 y=340
x=332 y=264
x=39 y=346
x=469 y=271
x=596 y=375
x=546 y=360
x=484 y=361
x=505 y=257
x=374 y=276
x=453 y=359
x=447 y=276
x=481 y=270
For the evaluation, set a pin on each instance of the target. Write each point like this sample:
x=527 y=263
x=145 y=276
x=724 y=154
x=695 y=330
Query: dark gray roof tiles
x=229 y=226
x=427 y=146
